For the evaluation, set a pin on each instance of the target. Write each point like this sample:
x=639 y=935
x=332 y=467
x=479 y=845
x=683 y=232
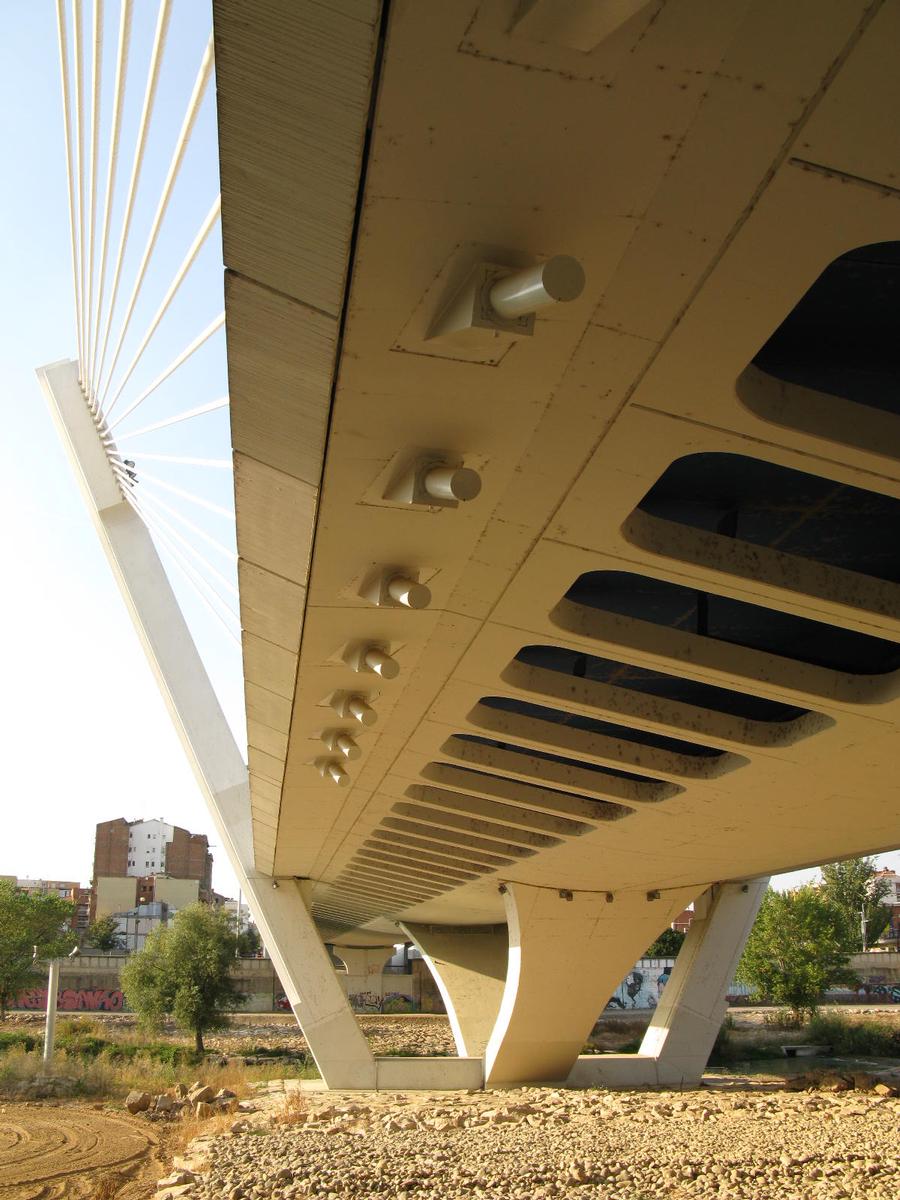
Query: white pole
x=50 y=1027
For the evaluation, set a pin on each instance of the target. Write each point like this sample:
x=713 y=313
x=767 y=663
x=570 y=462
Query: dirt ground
x=75 y=1150
x=78 y=1151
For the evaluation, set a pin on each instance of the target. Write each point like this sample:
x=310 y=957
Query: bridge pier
x=365 y=969
x=589 y=940
x=469 y=968
x=679 y=1039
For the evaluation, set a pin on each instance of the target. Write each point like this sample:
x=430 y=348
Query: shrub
x=783 y=1018
x=79 y=1027
x=17 y=1039
x=854 y=1037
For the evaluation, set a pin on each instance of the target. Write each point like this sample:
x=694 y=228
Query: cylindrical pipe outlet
x=364 y=713
x=452 y=483
x=337 y=774
x=345 y=744
x=382 y=664
x=408 y=593
x=558 y=279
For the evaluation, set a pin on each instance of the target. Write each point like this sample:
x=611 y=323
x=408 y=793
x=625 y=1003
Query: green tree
x=249 y=943
x=29 y=920
x=666 y=945
x=857 y=892
x=103 y=935
x=184 y=972
x=796 y=950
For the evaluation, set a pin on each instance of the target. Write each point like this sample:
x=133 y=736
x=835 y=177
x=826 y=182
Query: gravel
x=536 y=1143
x=419 y=1034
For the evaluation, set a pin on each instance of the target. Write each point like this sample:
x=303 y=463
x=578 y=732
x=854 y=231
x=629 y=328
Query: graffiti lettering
x=391 y=1002
x=74 y=999
x=883 y=989
x=365 y=1002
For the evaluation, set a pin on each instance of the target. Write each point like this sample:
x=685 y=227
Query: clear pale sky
x=85 y=735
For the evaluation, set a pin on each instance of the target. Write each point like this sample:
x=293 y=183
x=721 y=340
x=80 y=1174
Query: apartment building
x=148 y=862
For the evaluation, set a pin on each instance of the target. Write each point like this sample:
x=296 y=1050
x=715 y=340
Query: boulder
x=200 y=1092
x=164 y=1103
x=176 y=1179
x=203 y=1109
x=137 y=1102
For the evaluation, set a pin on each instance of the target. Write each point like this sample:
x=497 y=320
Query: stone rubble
x=44 y=1087
x=540 y=1143
x=198 y=1100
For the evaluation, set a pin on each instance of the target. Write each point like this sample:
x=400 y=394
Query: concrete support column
x=279 y=906
x=692 y=1007
x=308 y=977
x=365 y=968
x=469 y=967
x=568 y=951
x=364 y=961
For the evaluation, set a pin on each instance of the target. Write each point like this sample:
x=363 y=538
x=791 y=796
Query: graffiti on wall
x=74 y=999
x=883 y=991
x=390 y=1002
x=643 y=986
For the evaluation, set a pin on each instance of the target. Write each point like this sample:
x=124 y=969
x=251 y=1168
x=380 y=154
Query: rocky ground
x=425 y=1033
x=419 y=1034
x=401 y=1034
x=732 y=1143
x=747 y=1139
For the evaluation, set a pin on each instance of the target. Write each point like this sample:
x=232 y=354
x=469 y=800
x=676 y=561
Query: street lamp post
x=50 y=1024
x=52 y=993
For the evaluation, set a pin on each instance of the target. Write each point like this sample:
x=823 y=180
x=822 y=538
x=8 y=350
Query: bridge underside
x=661 y=650
x=660 y=658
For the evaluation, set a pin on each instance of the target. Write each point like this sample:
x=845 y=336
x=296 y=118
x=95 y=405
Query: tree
x=855 y=889
x=183 y=972
x=249 y=943
x=29 y=920
x=796 y=949
x=666 y=945
x=103 y=935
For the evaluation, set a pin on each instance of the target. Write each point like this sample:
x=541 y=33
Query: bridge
x=563 y=398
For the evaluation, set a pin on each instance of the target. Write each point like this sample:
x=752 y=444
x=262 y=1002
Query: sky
x=85 y=734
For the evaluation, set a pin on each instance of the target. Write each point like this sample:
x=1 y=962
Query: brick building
x=147 y=862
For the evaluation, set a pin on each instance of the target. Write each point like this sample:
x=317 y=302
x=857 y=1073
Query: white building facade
x=147 y=841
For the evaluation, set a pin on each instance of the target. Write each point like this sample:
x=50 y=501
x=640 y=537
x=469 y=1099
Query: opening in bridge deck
x=841 y=337
x=790 y=511
x=723 y=619
x=657 y=683
x=589 y=725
